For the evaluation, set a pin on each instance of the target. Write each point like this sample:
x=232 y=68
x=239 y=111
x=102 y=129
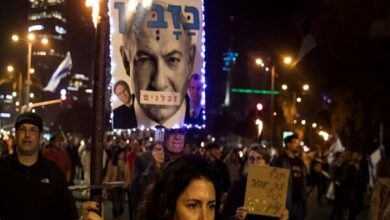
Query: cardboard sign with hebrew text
x=266 y=190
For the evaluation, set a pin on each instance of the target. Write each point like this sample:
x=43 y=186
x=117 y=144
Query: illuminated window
x=60 y=30
x=43 y=15
x=35 y=28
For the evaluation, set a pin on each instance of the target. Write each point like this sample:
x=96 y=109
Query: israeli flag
x=62 y=70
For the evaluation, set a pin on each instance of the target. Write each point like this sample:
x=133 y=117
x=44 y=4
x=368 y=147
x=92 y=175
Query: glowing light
x=10 y=68
x=305 y=87
x=95 y=10
x=325 y=135
x=60 y=29
x=303 y=122
x=33 y=110
x=287 y=60
x=31 y=37
x=202 y=144
x=5 y=115
x=15 y=38
x=267 y=69
x=259 y=124
x=32 y=71
x=151 y=139
x=213 y=139
x=45 y=41
x=299 y=99
x=314 y=125
x=32 y=95
x=259 y=106
x=63 y=94
x=275 y=114
x=284 y=87
x=306 y=148
x=241 y=154
x=37 y=27
x=14 y=94
x=259 y=62
x=17 y=103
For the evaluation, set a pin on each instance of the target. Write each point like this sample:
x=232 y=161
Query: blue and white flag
x=308 y=44
x=62 y=70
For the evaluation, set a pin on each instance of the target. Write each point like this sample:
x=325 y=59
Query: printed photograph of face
x=195 y=89
x=158 y=59
x=122 y=91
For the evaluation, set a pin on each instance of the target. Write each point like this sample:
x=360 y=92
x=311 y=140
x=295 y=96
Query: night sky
x=346 y=60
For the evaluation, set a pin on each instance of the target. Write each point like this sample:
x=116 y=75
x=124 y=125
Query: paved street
x=316 y=212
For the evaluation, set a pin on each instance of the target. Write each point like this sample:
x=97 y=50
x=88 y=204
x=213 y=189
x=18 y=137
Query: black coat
x=37 y=192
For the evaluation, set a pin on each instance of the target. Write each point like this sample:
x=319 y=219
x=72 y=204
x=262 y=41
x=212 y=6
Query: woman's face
x=196 y=202
x=254 y=158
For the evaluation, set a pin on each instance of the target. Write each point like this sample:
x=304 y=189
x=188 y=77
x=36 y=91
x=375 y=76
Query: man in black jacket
x=31 y=186
x=296 y=193
x=124 y=115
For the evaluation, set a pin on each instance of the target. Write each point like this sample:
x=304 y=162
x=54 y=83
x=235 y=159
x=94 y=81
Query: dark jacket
x=37 y=192
x=124 y=117
x=283 y=161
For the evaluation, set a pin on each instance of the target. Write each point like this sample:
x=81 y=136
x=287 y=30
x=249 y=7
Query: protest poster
x=266 y=190
x=157 y=63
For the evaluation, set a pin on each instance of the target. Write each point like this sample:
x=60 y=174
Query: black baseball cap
x=31 y=118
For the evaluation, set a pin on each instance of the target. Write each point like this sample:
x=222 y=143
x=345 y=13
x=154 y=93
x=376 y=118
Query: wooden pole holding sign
x=266 y=190
x=101 y=67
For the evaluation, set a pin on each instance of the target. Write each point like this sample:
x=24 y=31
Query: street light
x=286 y=60
x=30 y=40
x=10 y=68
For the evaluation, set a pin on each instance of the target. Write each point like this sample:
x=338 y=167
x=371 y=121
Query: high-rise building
x=46 y=20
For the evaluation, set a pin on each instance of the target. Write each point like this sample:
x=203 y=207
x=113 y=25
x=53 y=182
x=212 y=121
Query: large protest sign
x=266 y=190
x=157 y=63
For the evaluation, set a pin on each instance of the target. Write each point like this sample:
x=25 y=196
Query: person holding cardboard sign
x=233 y=208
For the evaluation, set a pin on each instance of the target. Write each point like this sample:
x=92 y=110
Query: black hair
x=195 y=76
x=115 y=156
x=212 y=145
x=53 y=138
x=289 y=138
x=122 y=83
x=260 y=150
x=171 y=180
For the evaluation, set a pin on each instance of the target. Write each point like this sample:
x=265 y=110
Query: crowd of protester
x=135 y=159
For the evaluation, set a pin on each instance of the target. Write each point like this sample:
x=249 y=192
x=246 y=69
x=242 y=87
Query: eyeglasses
x=253 y=158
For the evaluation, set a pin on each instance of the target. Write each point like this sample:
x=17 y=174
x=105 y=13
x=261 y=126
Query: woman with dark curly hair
x=184 y=189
